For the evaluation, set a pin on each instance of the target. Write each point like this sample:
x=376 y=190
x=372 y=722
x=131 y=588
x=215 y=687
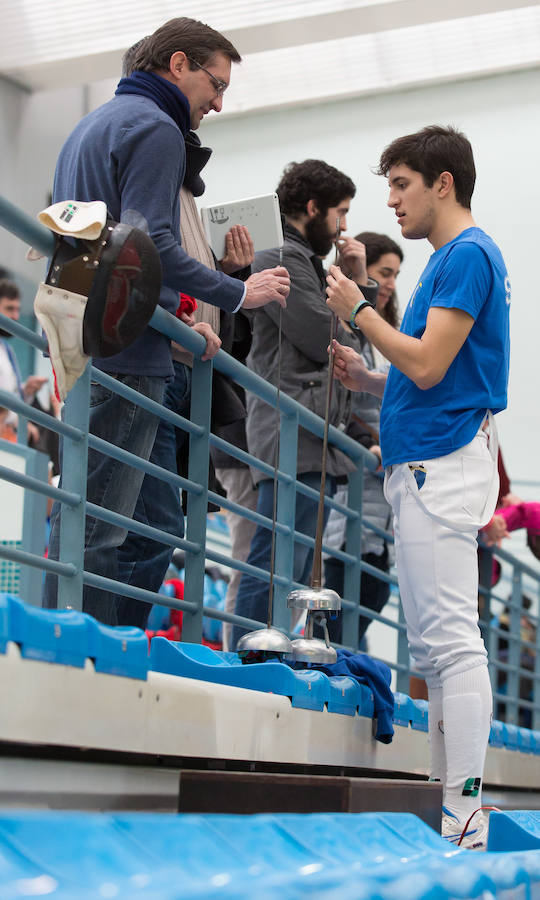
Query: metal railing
x=508 y=674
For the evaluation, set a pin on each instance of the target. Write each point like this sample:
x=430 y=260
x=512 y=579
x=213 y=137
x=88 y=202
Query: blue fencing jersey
x=467 y=273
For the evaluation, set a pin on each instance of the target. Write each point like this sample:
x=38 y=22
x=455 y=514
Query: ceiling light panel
x=61 y=29
x=386 y=60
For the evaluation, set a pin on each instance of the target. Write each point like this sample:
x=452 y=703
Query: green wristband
x=356 y=309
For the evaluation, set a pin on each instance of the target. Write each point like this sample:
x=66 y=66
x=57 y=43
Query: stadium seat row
x=68 y=637
x=380 y=856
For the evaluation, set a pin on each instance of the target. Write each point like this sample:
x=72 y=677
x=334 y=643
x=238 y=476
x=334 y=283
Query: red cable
x=464 y=832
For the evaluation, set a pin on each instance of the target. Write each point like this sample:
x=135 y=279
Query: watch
x=356 y=309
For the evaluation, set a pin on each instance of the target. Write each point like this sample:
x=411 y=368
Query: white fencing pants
x=438 y=506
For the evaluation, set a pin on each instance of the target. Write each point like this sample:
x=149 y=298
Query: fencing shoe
x=474 y=835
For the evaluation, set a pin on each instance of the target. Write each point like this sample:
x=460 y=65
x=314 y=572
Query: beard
x=318 y=236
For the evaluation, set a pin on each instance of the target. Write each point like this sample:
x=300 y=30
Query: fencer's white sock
x=467 y=708
x=437 y=750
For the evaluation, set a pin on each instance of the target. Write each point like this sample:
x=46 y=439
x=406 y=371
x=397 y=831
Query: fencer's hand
x=187 y=318
x=32 y=386
x=349 y=367
x=495 y=531
x=239 y=251
x=213 y=343
x=267 y=286
x=342 y=293
x=352 y=259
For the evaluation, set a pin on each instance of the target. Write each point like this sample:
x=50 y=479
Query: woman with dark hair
x=383 y=258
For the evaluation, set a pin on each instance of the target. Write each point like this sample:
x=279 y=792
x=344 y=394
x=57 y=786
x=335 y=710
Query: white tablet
x=260 y=215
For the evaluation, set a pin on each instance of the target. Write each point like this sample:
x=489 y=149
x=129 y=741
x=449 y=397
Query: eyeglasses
x=220 y=86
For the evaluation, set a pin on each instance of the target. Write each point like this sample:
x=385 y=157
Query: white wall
x=500 y=114
x=34 y=127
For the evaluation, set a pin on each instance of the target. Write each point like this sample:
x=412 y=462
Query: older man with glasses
x=130 y=153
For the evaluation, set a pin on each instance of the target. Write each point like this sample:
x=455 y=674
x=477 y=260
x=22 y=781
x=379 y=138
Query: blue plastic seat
x=344 y=696
x=69 y=638
x=496 y=734
x=419 y=719
x=50 y=635
x=525 y=740
x=118 y=651
x=358 y=856
x=403 y=709
x=4 y=621
x=305 y=688
x=511 y=736
x=514 y=830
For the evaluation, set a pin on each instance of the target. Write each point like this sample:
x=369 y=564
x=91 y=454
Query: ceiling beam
x=372 y=18
x=368 y=19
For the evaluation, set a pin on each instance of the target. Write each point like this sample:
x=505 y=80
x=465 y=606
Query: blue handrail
x=74 y=430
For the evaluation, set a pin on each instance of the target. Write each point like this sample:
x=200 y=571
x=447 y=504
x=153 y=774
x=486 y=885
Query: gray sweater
x=304 y=361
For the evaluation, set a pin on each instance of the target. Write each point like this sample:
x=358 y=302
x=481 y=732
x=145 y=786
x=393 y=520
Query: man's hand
x=32 y=385
x=239 y=251
x=350 y=368
x=267 y=286
x=213 y=343
x=352 y=259
x=186 y=318
x=342 y=293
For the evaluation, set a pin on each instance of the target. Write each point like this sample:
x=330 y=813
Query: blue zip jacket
x=131 y=154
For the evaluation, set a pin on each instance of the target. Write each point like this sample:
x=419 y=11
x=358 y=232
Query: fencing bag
x=101 y=289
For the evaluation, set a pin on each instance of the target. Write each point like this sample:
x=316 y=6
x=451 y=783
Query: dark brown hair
x=431 y=151
x=9 y=289
x=312 y=179
x=376 y=246
x=197 y=40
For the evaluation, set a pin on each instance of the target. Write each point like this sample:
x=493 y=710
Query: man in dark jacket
x=130 y=153
x=315 y=200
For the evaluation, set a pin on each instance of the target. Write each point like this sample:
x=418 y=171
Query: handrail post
x=286 y=509
x=536 y=681
x=514 y=650
x=403 y=655
x=74 y=478
x=352 y=582
x=197 y=504
x=489 y=635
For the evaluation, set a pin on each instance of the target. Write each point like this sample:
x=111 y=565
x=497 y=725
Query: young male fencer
x=448 y=378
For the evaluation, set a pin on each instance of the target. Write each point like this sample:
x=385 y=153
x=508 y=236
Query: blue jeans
x=252 y=597
x=111 y=484
x=143 y=562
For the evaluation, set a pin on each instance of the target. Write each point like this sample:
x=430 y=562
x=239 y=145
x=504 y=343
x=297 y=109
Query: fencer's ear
x=446 y=183
x=311 y=208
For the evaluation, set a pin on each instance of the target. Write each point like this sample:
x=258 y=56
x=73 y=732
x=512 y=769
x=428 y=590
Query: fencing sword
x=264 y=643
x=316 y=599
